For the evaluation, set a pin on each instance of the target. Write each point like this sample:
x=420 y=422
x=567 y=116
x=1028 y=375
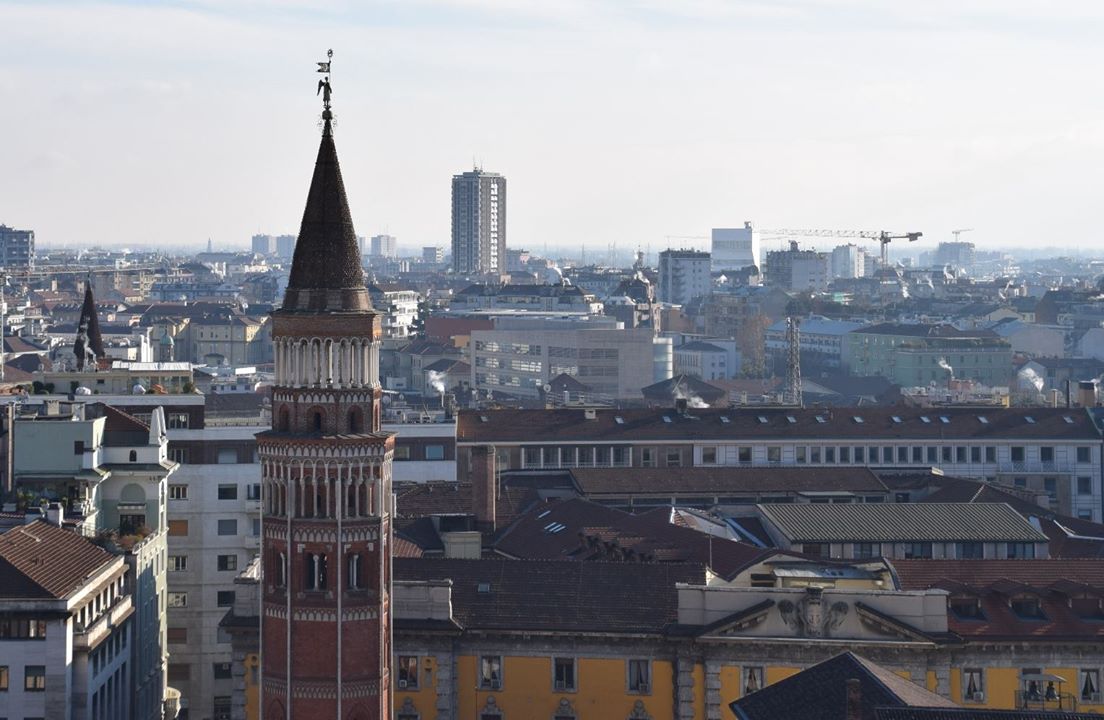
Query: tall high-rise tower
x=479 y=223
x=326 y=478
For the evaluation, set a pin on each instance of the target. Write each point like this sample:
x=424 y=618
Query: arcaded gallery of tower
x=326 y=472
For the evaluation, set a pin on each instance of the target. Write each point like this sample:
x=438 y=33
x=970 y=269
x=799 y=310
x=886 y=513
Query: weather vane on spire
x=324 y=83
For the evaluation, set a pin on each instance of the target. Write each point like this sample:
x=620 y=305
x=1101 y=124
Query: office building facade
x=683 y=276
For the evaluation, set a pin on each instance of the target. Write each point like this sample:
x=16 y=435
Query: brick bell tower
x=326 y=478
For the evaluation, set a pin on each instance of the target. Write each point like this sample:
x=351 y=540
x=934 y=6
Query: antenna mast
x=793 y=362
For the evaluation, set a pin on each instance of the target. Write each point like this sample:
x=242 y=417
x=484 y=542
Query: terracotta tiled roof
x=577 y=529
x=449 y=498
x=820 y=692
x=980 y=714
x=41 y=560
x=685 y=480
x=995 y=582
x=562 y=596
x=872 y=423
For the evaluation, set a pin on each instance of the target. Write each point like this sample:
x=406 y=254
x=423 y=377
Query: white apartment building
x=683 y=276
x=848 y=261
x=66 y=628
x=734 y=248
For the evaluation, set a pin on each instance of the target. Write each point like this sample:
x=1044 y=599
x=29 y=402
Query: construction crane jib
x=884 y=237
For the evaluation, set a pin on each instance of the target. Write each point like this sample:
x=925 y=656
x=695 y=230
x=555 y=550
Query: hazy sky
x=615 y=121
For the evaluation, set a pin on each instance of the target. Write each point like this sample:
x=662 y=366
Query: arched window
x=279 y=570
x=134 y=456
x=317 y=421
x=284 y=422
x=355 y=421
x=353 y=572
x=316 y=572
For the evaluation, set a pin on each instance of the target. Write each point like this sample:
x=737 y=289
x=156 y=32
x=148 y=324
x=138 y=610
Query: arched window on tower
x=316 y=572
x=283 y=423
x=356 y=421
x=279 y=570
x=317 y=421
x=353 y=572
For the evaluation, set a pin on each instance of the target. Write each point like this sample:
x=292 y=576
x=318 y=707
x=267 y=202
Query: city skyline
x=807 y=114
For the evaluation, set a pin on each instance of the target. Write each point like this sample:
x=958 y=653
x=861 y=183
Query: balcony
x=88 y=638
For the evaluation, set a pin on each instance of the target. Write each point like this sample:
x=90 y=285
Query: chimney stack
x=484 y=486
x=1086 y=393
x=55 y=514
x=853 y=710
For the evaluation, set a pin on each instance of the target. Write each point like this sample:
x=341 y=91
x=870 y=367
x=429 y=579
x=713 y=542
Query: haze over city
x=617 y=122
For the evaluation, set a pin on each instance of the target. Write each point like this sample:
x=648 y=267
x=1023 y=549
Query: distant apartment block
x=799 y=270
x=479 y=223
x=734 y=248
x=285 y=246
x=264 y=244
x=17 y=249
x=848 y=261
x=683 y=276
x=383 y=246
x=709 y=359
x=433 y=255
x=918 y=354
x=520 y=356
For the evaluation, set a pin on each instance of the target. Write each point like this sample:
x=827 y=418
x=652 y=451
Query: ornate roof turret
x=89 y=344
x=326 y=275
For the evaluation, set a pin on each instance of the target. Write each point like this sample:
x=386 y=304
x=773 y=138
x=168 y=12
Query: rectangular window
x=815 y=453
x=434 y=452
x=178 y=563
x=640 y=676
x=178 y=528
x=180 y=672
x=253 y=491
x=227 y=492
x=178 y=635
x=946 y=453
x=709 y=455
x=744 y=455
x=973 y=685
x=34 y=678
x=647 y=458
x=1021 y=551
x=1084 y=485
x=177 y=420
x=408 y=672
x=753 y=679
x=816 y=549
x=17 y=629
x=178 y=599
x=887 y=455
x=1018 y=453
x=774 y=453
x=228 y=527
x=874 y=454
x=829 y=455
x=222 y=671
x=3 y=678
x=990 y=454
x=1090 y=685
x=845 y=455
x=975 y=454
x=674 y=458
x=224 y=707
x=227 y=456
x=970 y=550
x=256 y=527
x=1046 y=454
x=78 y=447
x=227 y=563
x=1084 y=454
x=864 y=551
x=902 y=454
x=918 y=550
x=860 y=455
x=178 y=492
x=402 y=452
x=563 y=674
x=490 y=672
x=960 y=454
x=224 y=598
x=917 y=455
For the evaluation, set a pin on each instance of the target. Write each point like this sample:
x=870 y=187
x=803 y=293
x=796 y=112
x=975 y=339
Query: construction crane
x=882 y=236
x=684 y=237
x=958 y=232
x=793 y=362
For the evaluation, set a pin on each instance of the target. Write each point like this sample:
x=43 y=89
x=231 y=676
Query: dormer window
x=966 y=608
x=1087 y=607
x=1027 y=607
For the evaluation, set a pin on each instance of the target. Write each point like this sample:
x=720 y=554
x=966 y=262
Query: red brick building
x=326 y=479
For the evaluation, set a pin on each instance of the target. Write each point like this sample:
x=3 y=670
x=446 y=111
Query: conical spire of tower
x=326 y=275
x=89 y=340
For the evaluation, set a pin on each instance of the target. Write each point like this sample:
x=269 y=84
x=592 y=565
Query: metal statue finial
x=324 y=83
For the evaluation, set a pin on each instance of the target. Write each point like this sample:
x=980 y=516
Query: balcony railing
x=86 y=638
